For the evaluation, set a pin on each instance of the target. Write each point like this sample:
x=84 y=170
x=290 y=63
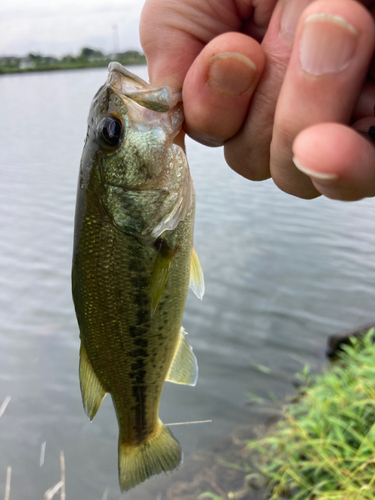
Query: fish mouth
x=146 y=105
x=160 y=99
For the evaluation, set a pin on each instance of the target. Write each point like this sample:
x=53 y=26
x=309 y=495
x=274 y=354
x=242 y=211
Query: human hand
x=305 y=91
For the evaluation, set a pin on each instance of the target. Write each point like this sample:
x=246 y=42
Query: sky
x=60 y=27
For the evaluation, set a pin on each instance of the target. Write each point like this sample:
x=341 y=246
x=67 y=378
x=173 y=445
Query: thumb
x=169 y=49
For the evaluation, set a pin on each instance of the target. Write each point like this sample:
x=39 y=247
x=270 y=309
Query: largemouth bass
x=133 y=261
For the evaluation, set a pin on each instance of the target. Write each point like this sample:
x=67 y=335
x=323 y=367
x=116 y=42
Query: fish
x=133 y=263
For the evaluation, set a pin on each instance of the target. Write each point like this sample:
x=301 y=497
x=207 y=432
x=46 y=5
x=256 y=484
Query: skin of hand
x=287 y=86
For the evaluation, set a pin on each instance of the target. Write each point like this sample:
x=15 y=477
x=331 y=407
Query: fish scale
x=117 y=296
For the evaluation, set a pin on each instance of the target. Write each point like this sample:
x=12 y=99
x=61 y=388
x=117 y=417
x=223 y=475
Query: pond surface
x=281 y=275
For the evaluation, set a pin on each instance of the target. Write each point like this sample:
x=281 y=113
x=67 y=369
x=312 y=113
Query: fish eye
x=111 y=131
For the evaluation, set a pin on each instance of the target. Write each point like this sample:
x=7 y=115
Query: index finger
x=173 y=34
x=219 y=73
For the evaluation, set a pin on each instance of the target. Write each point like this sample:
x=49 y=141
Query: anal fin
x=91 y=388
x=184 y=367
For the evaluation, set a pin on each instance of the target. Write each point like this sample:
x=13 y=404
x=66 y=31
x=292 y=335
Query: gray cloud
x=62 y=27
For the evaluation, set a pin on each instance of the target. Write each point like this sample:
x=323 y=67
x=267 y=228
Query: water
x=281 y=275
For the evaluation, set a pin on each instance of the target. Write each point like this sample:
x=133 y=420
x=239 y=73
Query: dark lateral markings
x=140 y=342
x=137 y=331
x=139 y=352
x=138 y=366
x=139 y=394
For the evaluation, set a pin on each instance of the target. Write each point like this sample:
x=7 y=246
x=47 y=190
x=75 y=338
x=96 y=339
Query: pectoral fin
x=196 y=275
x=91 y=388
x=184 y=367
x=161 y=272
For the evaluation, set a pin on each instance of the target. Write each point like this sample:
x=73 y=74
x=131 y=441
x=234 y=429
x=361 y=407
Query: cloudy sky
x=58 y=27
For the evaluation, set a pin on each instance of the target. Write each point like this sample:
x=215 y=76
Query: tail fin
x=160 y=453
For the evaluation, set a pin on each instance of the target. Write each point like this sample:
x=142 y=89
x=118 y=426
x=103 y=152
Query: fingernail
x=319 y=176
x=289 y=19
x=231 y=73
x=327 y=44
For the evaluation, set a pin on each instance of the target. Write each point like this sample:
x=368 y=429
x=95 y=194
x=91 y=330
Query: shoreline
x=68 y=67
x=243 y=464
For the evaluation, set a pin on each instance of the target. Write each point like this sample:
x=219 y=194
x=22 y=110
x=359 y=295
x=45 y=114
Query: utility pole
x=116 y=38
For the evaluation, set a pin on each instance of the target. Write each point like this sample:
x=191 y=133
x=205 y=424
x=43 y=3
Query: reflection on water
x=281 y=275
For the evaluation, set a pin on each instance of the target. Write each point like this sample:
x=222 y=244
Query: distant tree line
x=87 y=58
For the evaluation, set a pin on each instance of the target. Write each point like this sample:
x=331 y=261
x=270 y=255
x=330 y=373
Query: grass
x=324 y=447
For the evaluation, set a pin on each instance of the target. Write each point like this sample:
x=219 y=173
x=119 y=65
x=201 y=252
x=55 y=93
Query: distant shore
x=87 y=59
